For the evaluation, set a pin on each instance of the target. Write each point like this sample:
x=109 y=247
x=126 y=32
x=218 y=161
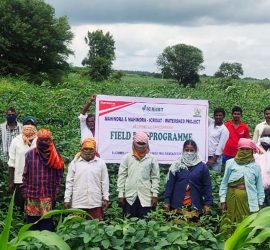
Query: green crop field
x=57 y=108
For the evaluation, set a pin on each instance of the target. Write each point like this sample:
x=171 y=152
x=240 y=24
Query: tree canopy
x=181 y=62
x=100 y=55
x=33 y=42
x=232 y=70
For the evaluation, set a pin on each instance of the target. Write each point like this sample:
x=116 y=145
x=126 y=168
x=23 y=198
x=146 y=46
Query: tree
x=181 y=62
x=33 y=42
x=233 y=70
x=100 y=56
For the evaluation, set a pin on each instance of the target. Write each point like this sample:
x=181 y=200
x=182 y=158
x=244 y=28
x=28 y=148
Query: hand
x=11 y=187
x=223 y=206
x=92 y=98
x=105 y=205
x=167 y=207
x=67 y=205
x=121 y=201
x=154 y=201
x=206 y=209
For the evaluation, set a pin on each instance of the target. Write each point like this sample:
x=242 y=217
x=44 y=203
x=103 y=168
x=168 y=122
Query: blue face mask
x=11 y=118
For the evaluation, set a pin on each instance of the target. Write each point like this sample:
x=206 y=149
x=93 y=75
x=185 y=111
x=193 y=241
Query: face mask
x=265 y=146
x=11 y=118
x=43 y=145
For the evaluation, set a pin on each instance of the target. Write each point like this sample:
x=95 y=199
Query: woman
x=189 y=185
x=241 y=190
x=42 y=180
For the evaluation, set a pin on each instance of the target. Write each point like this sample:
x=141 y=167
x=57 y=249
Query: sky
x=224 y=30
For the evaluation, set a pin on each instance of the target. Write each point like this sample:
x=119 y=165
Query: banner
x=168 y=122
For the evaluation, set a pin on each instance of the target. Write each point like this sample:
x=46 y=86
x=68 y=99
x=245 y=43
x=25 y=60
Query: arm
x=222 y=141
x=259 y=187
x=12 y=154
x=169 y=187
x=155 y=178
x=87 y=104
x=25 y=176
x=207 y=187
x=122 y=176
x=256 y=134
x=11 y=164
x=105 y=182
x=69 y=182
x=59 y=175
x=224 y=183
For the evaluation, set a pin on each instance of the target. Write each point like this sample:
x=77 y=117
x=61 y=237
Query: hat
x=30 y=119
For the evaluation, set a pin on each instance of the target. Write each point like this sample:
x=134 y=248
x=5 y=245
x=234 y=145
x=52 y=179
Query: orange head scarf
x=48 y=151
x=88 y=143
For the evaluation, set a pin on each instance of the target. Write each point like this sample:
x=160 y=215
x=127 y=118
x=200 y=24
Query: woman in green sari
x=241 y=191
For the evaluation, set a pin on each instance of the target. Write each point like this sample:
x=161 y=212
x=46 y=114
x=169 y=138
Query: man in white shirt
x=138 y=179
x=218 y=135
x=19 y=146
x=87 y=182
x=260 y=127
x=87 y=121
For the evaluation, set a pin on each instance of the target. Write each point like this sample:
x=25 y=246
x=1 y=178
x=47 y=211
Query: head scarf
x=265 y=143
x=186 y=160
x=247 y=143
x=47 y=150
x=88 y=143
x=244 y=155
x=139 y=151
x=29 y=133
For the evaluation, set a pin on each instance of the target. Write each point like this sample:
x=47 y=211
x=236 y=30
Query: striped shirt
x=39 y=179
x=7 y=134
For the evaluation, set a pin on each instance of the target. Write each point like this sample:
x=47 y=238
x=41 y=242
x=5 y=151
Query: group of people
x=36 y=170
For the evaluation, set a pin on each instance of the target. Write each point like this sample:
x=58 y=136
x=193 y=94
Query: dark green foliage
x=33 y=42
x=57 y=108
x=100 y=56
x=181 y=62
x=232 y=70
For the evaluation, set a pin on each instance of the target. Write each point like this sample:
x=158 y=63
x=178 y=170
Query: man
x=19 y=146
x=87 y=183
x=218 y=135
x=87 y=122
x=138 y=179
x=237 y=130
x=262 y=158
x=8 y=131
x=259 y=128
x=41 y=180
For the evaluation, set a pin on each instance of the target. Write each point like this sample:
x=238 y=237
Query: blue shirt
x=199 y=180
x=253 y=182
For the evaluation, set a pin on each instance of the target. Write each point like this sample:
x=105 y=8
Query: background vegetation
x=57 y=108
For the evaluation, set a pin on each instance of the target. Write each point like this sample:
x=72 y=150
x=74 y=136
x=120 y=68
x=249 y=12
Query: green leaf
x=5 y=233
x=105 y=243
x=173 y=236
x=46 y=237
x=261 y=237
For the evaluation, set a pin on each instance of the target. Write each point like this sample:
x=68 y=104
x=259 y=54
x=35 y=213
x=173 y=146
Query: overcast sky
x=225 y=31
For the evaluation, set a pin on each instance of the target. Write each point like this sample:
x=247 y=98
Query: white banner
x=168 y=122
